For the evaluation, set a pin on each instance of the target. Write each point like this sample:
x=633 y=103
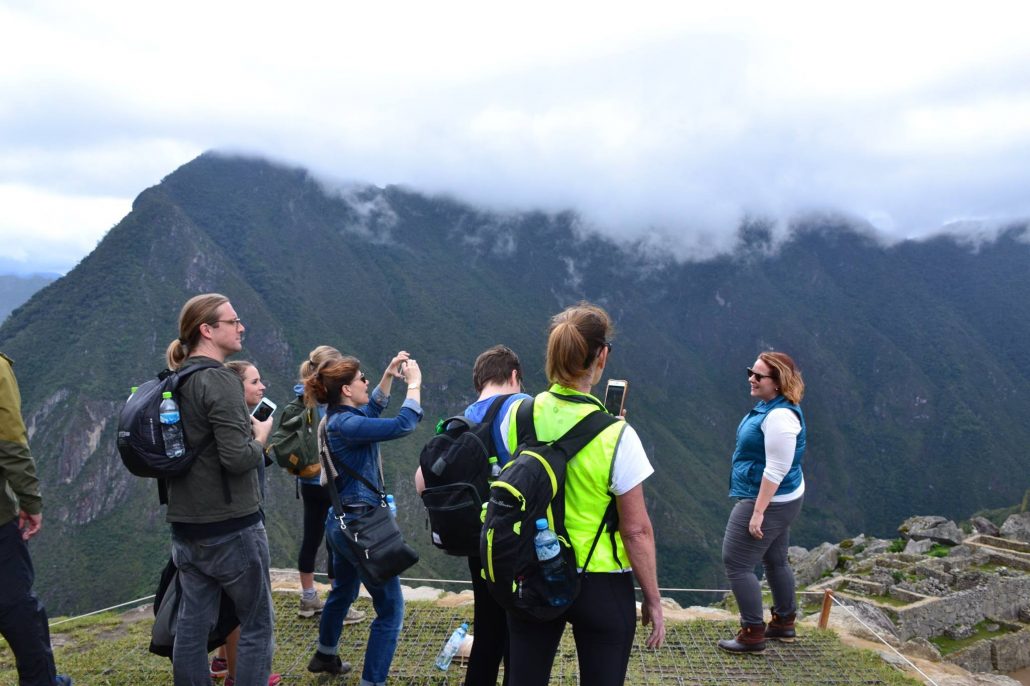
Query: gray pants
x=237 y=562
x=741 y=552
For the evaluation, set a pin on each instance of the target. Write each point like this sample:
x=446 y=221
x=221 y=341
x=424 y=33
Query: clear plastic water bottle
x=450 y=649
x=495 y=469
x=390 y=503
x=552 y=564
x=171 y=427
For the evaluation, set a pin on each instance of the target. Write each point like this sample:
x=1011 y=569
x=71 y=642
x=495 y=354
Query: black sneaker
x=330 y=664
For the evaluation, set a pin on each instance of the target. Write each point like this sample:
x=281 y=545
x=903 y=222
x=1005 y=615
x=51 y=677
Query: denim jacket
x=354 y=435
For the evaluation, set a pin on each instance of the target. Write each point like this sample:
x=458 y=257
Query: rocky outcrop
x=1017 y=527
x=936 y=529
x=984 y=526
x=815 y=564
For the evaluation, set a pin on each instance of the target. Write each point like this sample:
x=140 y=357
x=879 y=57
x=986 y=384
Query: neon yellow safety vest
x=588 y=477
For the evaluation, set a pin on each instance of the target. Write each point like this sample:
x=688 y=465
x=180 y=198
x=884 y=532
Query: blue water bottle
x=391 y=504
x=450 y=649
x=171 y=427
x=552 y=565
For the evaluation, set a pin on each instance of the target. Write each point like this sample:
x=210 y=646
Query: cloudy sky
x=644 y=117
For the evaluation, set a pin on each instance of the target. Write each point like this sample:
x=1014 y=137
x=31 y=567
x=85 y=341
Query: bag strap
x=608 y=513
x=326 y=459
x=524 y=426
x=495 y=407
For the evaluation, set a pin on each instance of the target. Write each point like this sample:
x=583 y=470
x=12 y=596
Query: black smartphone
x=615 y=396
x=264 y=410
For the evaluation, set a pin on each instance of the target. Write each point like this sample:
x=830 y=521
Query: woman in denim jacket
x=355 y=429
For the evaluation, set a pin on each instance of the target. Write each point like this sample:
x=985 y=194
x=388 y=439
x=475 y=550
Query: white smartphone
x=264 y=410
x=615 y=396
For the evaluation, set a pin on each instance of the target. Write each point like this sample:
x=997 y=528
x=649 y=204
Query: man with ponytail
x=218 y=532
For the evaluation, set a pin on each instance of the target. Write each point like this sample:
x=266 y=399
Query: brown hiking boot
x=750 y=639
x=782 y=627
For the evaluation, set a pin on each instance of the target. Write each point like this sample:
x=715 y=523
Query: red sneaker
x=219 y=668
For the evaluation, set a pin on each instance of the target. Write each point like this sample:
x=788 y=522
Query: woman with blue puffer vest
x=767 y=481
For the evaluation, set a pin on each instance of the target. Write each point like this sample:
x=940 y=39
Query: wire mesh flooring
x=112 y=650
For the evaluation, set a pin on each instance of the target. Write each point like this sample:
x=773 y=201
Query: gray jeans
x=741 y=552
x=237 y=562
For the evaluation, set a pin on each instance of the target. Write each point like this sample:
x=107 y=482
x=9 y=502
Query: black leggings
x=490 y=627
x=316 y=507
x=603 y=618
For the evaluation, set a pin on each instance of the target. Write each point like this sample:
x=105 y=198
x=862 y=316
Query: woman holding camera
x=767 y=481
x=612 y=466
x=354 y=430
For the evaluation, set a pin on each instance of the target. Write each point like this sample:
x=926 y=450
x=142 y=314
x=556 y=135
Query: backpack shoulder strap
x=330 y=466
x=584 y=431
x=524 y=427
x=495 y=408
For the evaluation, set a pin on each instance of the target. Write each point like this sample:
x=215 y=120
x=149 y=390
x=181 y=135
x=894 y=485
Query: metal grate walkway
x=112 y=649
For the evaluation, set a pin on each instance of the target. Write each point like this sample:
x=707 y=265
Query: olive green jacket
x=19 y=487
x=214 y=415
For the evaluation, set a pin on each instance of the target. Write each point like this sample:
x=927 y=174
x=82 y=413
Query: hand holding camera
x=397 y=364
x=412 y=373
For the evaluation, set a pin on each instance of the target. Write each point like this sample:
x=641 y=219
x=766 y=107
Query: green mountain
x=915 y=355
x=15 y=289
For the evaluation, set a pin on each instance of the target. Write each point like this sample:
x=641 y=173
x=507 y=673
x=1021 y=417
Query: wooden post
x=824 y=616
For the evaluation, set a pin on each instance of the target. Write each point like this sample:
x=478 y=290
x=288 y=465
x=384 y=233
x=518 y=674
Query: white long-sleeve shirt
x=781 y=428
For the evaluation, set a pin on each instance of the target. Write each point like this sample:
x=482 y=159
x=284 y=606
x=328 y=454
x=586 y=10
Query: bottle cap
x=166 y=394
x=133 y=389
x=465 y=625
x=493 y=459
x=541 y=524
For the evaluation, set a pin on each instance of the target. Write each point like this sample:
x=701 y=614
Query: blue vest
x=749 y=457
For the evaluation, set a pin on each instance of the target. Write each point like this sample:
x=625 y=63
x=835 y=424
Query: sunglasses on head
x=758 y=377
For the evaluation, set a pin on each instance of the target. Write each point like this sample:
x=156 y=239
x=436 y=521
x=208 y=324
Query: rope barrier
x=96 y=612
x=833 y=596
x=467 y=582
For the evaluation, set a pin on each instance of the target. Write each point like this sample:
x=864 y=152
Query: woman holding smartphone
x=767 y=481
x=224 y=662
x=612 y=466
x=354 y=430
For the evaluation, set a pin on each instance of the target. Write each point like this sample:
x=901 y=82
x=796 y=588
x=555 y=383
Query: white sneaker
x=354 y=616
x=309 y=608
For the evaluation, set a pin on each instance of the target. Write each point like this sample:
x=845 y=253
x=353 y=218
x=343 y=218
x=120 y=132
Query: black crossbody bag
x=373 y=538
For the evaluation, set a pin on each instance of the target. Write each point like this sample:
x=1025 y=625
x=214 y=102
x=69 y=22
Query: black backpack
x=166 y=615
x=456 y=470
x=295 y=439
x=531 y=487
x=140 y=443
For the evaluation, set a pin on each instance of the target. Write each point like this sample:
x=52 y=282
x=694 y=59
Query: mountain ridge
x=882 y=334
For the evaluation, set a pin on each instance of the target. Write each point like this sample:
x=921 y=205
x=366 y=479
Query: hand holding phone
x=263 y=410
x=615 y=396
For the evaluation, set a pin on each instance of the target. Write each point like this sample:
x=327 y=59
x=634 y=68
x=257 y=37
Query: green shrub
x=896 y=546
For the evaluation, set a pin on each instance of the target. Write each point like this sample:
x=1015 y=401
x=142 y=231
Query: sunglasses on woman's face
x=758 y=377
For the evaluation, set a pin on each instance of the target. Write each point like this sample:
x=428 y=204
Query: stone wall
x=997 y=598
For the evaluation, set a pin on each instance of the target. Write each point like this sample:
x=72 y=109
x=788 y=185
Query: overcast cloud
x=644 y=118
